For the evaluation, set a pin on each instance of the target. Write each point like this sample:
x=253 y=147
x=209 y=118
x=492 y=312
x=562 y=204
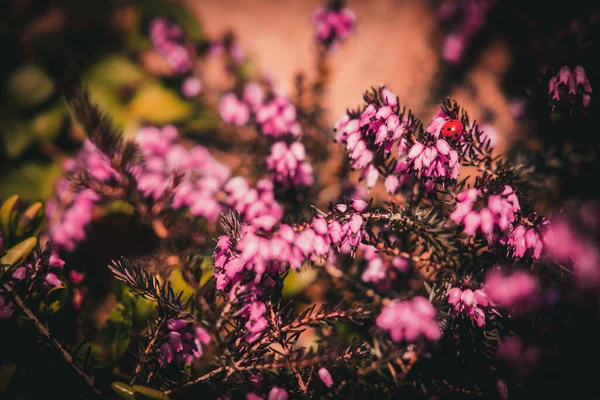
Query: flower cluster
x=472 y=303
x=233 y=110
x=575 y=248
x=252 y=202
x=410 y=320
x=435 y=161
x=168 y=39
x=70 y=227
x=518 y=355
x=471 y=19
x=251 y=261
x=517 y=291
x=333 y=24
x=570 y=87
x=380 y=267
x=27 y=271
x=287 y=165
x=277 y=117
x=494 y=219
x=163 y=157
x=70 y=211
x=525 y=239
x=379 y=126
x=182 y=342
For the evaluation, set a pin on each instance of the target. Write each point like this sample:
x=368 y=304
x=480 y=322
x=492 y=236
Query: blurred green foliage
x=101 y=45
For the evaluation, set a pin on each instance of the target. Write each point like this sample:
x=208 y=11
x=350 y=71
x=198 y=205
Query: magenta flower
x=254 y=95
x=435 y=126
x=473 y=304
x=182 y=342
x=525 y=240
x=252 y=202
x=492 y=220
x=234 y=111
x=277 y=117
x=333 y=24
x=288 y=166
x=167 y=38
x=203 y=175
x=410 y=320
x=6 y=306
x=518 y=355
x=568 y=246
x=381 y=125
x=70 y=228
x=437 y=162
x=468 y=20
x=325 y=377
x=517 y=291
x=191 y=86
x=379 y=267
x=570 y=87
x=277 y=393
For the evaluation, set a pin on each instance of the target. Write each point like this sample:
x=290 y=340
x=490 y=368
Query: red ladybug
x=453 y=128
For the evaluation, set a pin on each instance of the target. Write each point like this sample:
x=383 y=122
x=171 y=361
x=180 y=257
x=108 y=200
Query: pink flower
x=254 y=95
x=191 y=87
x=515 y=353
x=167 y=39
x=517 y=291
x=333 y=25
x=288 y=165
x=325 y=377
x=203 y=175
x=234 y=111
x=380 y=124
x=182 y=342
x=570 y=87
x=494 y=219
x=473 y=304
x=252 y=202
x=410 y=320
x=526 y=241
x=437 y=161
x=277 y=117
x=277 y=393
x=454 y=48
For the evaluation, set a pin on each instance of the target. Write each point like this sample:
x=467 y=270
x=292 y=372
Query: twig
x=42 y=329
x=144 y=357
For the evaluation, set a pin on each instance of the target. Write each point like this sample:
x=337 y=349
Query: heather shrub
x=227 y=241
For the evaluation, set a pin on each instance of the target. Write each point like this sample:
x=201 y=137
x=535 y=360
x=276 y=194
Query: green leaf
x=7 y=371
x=55 y=300
x=207 y=267
x=297 y=280
x=146 y=393
x=142 y=309
x=31 y=220
x=17 y=136
x=16 y=255
x=5 y=213
x=31 y=180
x=159 y=105
x=117 y=330
x=47 y=124
x=28 y=87
x=123 y=390
x=179 y=284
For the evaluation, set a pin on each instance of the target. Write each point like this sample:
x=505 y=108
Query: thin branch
x=42 y=329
